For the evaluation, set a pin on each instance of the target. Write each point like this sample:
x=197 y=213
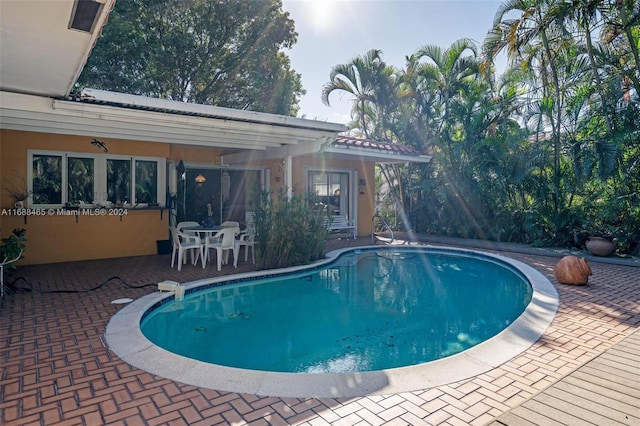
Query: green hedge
x=289 y=231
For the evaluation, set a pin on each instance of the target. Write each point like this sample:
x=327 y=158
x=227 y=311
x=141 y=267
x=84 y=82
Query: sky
x=332 y=32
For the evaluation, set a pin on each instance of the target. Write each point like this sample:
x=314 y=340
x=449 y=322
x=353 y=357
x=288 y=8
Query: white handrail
x=374 y=236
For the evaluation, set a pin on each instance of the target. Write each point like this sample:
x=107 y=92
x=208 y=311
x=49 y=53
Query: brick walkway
x=55 y=368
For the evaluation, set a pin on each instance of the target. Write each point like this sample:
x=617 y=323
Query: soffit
x=39 y=54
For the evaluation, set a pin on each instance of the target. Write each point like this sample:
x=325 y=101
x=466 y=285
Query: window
x=332 y=190
x=80 y=178
x=46 y=179
x=119 y=181
x=59 y=178
x=146 y=181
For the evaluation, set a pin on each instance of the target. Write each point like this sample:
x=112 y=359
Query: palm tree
x=371 y=82
x=535 y=38
x=586 y=16
x=624 y=17
x=433 y=80
x=449 y=70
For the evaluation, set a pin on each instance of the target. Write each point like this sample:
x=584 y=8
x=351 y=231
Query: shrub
x=12 y=247
x=289 y=231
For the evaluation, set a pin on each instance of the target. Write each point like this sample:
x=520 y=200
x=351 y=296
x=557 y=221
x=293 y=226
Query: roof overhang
x=157 y=120
x=378 y=156
x=336 y=148
x=40 y=52
x=43 y=48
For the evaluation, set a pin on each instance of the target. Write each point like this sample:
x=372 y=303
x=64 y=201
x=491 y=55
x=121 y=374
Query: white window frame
x=99 y=176
x=353 y=188
x=65 y=174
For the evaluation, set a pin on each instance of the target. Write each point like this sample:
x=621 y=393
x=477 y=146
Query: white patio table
x=203 y=232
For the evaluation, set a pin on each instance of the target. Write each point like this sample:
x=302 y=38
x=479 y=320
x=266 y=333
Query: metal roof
x=103 y=97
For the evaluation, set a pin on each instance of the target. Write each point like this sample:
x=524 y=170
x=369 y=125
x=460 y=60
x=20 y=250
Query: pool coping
x=124 y=338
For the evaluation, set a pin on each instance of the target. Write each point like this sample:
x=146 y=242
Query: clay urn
x=599 y=246
x=572 y=270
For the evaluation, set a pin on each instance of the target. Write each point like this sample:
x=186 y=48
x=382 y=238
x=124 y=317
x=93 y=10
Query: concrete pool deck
x=125 y=339
x=56 y=368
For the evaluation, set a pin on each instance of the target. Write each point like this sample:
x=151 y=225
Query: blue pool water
x=368 y=310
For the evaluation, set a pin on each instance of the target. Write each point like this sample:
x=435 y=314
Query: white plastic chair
x=247 y=237
x=188 y=224
x=223 y=242
x=247 y=240
x=183 y=244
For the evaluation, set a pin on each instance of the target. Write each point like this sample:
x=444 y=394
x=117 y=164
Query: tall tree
x=623 y=18
x=530 y=33
x=370 y=81
x=586 y=15
x=448 y=74
x=450 y=70
x=226 y=53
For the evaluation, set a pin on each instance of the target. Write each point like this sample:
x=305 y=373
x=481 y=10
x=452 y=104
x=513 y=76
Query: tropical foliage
x=224 y=53
x=289 y=231
x=12 y=248
x=547 y=153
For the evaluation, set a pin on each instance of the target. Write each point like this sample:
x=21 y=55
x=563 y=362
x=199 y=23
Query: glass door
x=332 y=190
x=207 y=195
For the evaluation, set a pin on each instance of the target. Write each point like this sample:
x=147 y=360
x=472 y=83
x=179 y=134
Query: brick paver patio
x=56 y=369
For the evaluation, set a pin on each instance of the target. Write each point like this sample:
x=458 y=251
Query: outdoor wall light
x=361 y=185
x=200 y=179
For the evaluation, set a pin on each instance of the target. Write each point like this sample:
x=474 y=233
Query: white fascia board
x=213 y=111
x=86 y=128
x=29 y=112
x=319 y=147
x=21 y=120
x=298 y=150
x=104 y=135
x=187 y=123
x=379 y=156
x=20 y=101
x=184 y=121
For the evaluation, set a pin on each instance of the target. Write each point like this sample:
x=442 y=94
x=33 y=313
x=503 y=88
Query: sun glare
x=322 y=14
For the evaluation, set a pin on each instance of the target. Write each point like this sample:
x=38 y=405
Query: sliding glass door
x=333 y=190
x=215 y=195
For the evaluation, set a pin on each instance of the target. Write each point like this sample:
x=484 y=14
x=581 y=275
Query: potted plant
x=12 y=247
x=17 y=187
x=11 y=250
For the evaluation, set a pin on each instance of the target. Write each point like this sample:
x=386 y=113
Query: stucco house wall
x=54 y=235
x=62 y=237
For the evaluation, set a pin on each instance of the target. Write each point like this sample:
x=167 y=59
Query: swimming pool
x=259 y=333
